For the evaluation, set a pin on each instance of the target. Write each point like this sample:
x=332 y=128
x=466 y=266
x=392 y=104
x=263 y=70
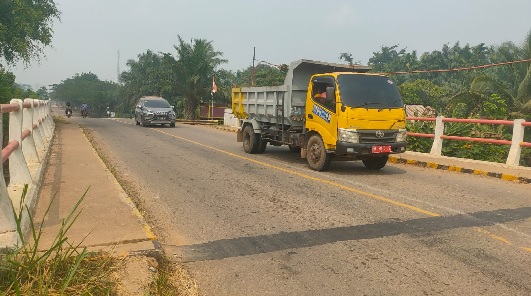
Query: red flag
x=214 y=86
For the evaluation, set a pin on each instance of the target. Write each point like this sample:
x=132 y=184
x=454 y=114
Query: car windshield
x=368 y=91
x=157 y=104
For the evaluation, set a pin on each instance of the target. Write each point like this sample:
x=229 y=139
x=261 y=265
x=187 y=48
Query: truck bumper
x=344 y=148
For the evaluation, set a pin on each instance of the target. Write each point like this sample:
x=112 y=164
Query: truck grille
x=377 y=136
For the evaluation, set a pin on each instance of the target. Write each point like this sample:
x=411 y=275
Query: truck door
x=322 y=115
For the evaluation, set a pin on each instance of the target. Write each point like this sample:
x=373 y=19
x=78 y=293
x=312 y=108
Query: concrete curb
x=464 y=170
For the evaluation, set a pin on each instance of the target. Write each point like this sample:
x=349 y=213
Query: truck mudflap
x=344 y=148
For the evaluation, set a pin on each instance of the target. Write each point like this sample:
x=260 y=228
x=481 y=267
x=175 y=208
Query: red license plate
x=381 y=149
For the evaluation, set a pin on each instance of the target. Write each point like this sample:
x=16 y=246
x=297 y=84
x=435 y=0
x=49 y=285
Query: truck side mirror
x=331 y=93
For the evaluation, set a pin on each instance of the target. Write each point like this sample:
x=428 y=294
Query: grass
x=63 y=269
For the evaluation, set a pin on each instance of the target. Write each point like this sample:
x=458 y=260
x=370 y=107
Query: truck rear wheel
x=262 y=144
x=375 y=163
x=318 y=159
x=251 y=140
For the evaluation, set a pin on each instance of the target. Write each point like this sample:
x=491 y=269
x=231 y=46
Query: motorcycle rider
x=68 y=109
x=84 y=108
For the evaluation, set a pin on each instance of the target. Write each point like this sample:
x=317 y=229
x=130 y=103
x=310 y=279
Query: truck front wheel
x=375 y=163
x=251 y=140
x=318 y=159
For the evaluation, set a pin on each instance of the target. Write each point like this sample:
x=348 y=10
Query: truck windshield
x=368 y=91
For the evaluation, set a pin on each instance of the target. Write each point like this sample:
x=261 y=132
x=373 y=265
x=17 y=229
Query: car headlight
x=401 y=136
x=350 y=136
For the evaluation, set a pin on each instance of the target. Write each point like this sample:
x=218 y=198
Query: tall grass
x=63 y=269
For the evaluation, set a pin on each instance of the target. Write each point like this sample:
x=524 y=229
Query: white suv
x=154 y=110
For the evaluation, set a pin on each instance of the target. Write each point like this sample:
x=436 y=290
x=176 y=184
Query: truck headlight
x=401 y=136
x=350 y=136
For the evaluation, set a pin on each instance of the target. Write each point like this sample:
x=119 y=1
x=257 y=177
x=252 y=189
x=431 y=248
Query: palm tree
x=523 y=96
x=518 y=95
x=194 y=69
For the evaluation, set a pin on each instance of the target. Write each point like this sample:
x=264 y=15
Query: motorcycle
x=68 y=112
x=84 y=113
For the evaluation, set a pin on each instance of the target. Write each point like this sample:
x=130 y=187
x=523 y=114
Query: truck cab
x=359 y=116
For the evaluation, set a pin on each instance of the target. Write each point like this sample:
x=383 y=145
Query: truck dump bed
x=286 y=103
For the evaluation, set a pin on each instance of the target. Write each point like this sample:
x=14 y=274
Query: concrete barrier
x=31 y=131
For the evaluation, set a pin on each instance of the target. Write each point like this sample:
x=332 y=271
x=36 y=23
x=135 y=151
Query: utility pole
x=118 y=69
x=252 y=70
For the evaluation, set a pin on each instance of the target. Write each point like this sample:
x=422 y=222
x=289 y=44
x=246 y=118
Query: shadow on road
x=244 y=246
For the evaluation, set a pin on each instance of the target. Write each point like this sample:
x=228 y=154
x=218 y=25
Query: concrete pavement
x=108 y=221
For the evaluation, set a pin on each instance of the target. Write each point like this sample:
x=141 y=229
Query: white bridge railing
x=31 y=131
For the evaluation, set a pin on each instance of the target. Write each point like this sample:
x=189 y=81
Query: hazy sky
x=91 y=33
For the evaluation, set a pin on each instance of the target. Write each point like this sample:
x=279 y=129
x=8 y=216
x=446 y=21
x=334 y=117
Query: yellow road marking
x=381 y=198
x=492 y=235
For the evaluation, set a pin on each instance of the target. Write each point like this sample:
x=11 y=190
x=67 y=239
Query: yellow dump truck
x=327 y=112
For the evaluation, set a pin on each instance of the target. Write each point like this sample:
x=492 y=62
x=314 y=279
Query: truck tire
x=375 y=163
x=318 y=159
x=262 y=144
x=251 y=140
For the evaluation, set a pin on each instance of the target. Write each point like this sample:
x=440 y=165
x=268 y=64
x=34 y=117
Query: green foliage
x=88 y=88
x=347 y=57
x=264 y=75
x=495 y=107
x=7 y=86
x=185 y=80
x=225 y=80
x=194 y=69
x=478 y=151
x=389 y=59
x=423 y=92
x=25 y=28
x=151 y=75
x=419 y=144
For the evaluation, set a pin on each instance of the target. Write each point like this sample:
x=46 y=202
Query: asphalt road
x=267 y=225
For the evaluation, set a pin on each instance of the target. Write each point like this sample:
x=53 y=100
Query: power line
x=460 y=69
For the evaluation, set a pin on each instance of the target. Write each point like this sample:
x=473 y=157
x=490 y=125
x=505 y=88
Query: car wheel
x=172 y=124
